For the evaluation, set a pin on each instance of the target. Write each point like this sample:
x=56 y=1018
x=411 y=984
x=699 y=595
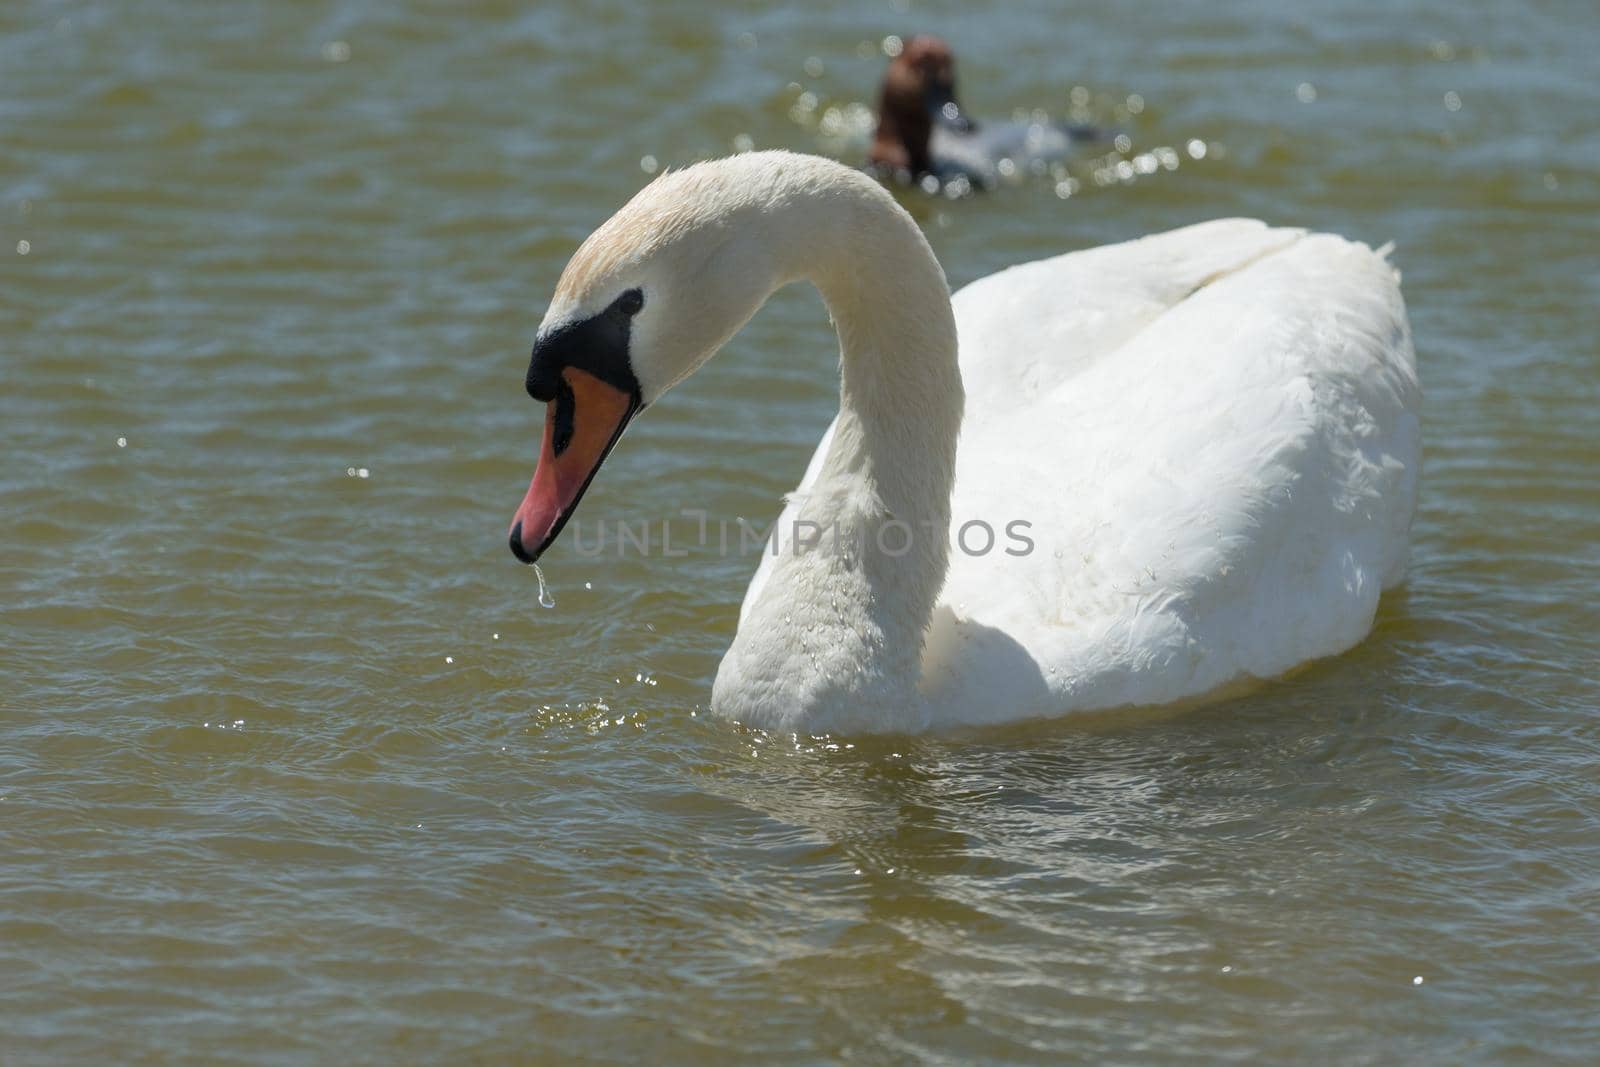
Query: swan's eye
x=631 y=302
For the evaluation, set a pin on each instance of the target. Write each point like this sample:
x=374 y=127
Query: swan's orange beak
x=580 y=425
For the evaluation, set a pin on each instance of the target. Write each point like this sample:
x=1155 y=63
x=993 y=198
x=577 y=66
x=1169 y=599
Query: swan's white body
x=1197 y=454
x=1212 y=434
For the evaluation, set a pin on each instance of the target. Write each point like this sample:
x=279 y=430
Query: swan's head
x=647 y=299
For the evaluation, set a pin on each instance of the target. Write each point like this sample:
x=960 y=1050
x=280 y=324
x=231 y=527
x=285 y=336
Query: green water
x=294 y=769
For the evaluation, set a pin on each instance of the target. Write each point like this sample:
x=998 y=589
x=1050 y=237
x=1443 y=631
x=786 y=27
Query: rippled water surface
x=293 y=767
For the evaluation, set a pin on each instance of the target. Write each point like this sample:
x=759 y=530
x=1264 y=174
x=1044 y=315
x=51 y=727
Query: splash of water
x=546 y=600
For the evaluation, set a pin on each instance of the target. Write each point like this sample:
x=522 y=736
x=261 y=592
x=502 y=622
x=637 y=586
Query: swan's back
x=1032 y=326
x=1213 y=434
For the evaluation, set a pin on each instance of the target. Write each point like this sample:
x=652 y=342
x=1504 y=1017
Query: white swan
x=1211 y=434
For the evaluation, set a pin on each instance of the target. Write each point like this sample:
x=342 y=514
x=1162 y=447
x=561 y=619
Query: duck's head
x=651 y=295
x=919 y=90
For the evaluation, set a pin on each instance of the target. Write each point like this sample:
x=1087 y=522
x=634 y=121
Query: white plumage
x=1213 y=437
x=1226 y=419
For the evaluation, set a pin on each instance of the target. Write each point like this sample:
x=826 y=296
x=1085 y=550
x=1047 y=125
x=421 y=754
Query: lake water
x=294 y=769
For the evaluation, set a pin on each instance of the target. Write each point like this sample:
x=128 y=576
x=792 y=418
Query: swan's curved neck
x=836 y=631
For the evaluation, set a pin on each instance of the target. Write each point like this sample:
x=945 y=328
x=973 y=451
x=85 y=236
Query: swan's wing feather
x=1027 y=329
x=1220 y=493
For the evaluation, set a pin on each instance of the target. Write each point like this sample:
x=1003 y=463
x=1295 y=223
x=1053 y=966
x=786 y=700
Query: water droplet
x=546 y=600
x=122 y=442
x=1418 y=980
x=449 y=659
x=1305 y=92
x=648 y=164
x=23 y=248
x=497 y=637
